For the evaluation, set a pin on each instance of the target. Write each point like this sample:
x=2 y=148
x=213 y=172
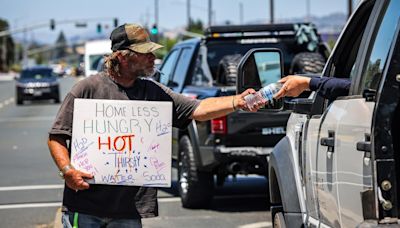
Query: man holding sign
x=118 y=203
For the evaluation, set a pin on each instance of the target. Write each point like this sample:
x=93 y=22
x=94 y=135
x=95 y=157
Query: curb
x=57 y=219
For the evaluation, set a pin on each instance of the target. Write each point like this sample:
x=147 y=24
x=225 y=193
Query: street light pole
x=241 y=12
x=188 y=14
x=271 y=9
x=156 y=18
x=209 y=12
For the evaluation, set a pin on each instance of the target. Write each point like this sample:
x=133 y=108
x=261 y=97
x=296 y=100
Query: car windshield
x=37 y=73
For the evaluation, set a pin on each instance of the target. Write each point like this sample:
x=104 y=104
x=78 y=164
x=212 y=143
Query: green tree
x=195 y=26
x=40 y=56
x=6 y=48
x=60 y=50
x=168 y=44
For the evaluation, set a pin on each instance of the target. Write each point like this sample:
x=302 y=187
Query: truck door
x=344 y=169
x=353 y=131
x=321 y=131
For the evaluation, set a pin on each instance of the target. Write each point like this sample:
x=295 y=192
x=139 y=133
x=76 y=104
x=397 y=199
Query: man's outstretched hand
x=293 y=86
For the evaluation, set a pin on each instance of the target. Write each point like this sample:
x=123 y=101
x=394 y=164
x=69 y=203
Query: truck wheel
x=307 y=62
x=195 y=187
x=279 y=220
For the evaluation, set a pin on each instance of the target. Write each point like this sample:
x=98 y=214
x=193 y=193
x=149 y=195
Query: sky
x=172 y=13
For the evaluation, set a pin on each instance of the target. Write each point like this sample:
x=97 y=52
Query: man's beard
x=147 y=72
x=140 y=73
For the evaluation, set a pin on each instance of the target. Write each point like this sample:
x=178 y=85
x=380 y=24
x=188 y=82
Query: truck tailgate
x=262 y=128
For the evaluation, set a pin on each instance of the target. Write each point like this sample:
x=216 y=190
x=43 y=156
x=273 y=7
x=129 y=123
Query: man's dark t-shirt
x=109 y=200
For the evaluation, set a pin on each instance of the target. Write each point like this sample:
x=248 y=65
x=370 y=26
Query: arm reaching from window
x=330 y=88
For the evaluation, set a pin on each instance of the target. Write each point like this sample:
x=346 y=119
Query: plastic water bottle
x=265 y=94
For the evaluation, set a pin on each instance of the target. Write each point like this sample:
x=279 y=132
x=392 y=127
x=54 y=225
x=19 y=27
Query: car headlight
x=55 y=83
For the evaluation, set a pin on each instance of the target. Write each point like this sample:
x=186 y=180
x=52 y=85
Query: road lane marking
x=29 y=205
x=176 y=199
x=27 y=119
x=240 y=196
x=9 y=101
x=169 y=199
x=6 y=102
x=58 y=204
x=31 y=187
x=257 y=225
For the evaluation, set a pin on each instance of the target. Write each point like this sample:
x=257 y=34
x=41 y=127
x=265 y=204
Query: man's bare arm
x=215 y=107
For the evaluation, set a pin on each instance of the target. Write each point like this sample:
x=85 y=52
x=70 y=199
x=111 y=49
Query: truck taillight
x=218 y=125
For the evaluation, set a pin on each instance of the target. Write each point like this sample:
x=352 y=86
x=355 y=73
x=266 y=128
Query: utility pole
x=156 y=18
x=209 y=12
x=241 y=13
x=25 y=51
x=308 y=16
x=188 y=14
x=350 y=6
x=271 y=9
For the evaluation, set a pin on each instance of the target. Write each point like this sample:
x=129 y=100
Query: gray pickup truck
x=241 y=142
x=339 y=163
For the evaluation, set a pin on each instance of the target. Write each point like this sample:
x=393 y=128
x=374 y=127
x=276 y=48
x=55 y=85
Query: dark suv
x=241 y=142
x=37 y=83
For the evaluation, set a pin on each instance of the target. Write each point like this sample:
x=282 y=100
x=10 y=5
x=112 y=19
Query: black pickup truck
x=241 y=142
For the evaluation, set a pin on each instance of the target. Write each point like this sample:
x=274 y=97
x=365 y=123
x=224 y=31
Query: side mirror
x=309 y=106
x=258 y=68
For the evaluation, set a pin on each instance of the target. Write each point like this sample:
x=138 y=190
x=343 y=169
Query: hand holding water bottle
x=293 y=86
x=264 y=95
x=239 y=101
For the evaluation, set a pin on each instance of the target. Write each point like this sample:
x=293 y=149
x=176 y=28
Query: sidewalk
x=7 y=76
x=57 y=219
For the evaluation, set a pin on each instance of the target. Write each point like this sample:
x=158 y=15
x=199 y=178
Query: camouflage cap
x=133 y=37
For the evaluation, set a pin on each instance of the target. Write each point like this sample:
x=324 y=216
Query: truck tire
x=279 y=220
x=227 y=69
x=195 y=187
x=307 y=62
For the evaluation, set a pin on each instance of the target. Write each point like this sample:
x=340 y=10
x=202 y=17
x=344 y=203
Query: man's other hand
x=75 y=179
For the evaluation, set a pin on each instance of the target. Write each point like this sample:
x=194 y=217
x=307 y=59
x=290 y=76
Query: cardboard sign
x=123 y=142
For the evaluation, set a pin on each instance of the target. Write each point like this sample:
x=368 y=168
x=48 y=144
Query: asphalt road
x=31 y=191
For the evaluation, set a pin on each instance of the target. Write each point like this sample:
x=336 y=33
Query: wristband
x=233 y=103
x=65 y=169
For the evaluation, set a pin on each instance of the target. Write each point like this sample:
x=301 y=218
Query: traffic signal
x=52 y=24
x=154 y=30
x=98 y=28
x=115 y=22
